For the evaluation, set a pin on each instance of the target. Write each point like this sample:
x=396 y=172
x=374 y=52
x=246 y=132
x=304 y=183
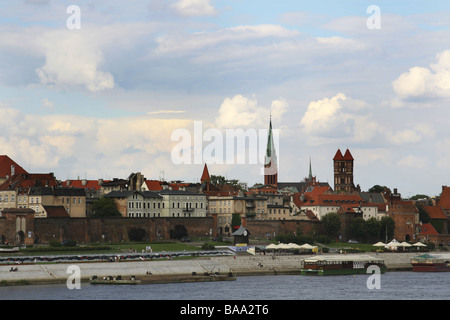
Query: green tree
x=423 y=215
x=377 y=188
x=332 y=224
x=235 y=220
x=387 y=225
x=105 y=207
x=358 y=229
x=373 y=228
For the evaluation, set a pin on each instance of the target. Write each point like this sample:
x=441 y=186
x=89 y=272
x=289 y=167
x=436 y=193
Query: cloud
x=243 y=112
x=413 y=162
x=426 y=82
x=339 y=116
x=194 y=8
x=72 y=58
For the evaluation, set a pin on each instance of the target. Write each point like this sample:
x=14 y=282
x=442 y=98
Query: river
x=392 y=286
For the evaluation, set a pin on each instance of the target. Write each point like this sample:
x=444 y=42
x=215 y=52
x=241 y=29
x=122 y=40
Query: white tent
x=379 y=244
x=272 y=246
x=392 y=245
x=404 y=244
x=294 y=246
x=283 y=246
x=419 y=244
x=306 y=246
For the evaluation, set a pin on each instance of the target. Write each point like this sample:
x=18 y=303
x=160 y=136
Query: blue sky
x=103 y=101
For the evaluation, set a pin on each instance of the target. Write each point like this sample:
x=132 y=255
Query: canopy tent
x=307 y=246
x=294 y=246
x=392 y=245
x=272 y=246
x=379 y=244
x=404 y=244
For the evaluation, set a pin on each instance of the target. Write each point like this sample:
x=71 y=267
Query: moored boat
x=113 y=280
x=431 y=263
x=341 y=265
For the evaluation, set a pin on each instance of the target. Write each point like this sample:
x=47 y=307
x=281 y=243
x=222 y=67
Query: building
x=321 y=201
x=43 y=201
x=137 y=204
x=14 y=190
x=270 y=161
x=9 y=168
x=179 y=203
x=343 y=172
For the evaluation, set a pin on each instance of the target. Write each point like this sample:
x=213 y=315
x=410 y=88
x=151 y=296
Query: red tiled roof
x=435 y=212
x=338 y=155
x=348 y=155
x=426 y=229
x=153 y=185
x=444 y=200
x=205 y=176
x=56 y=212
x=5 y=166
x=84 y=184
x=28 y=180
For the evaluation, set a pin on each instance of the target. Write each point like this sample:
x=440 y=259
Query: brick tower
x=343 y=172
x=270 y=161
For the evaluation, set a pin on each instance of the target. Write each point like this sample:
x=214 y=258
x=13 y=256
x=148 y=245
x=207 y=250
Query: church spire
x=270 y=160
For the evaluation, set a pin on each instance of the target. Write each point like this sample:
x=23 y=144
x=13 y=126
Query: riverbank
x=240 y=264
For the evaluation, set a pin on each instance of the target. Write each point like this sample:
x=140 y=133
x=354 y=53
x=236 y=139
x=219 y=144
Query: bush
x=208 y=246
x=54 y=243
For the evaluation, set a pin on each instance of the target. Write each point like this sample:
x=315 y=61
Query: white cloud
x=412 y=162
x=339 y=116
x=194 y=8
x=243 y=112
x=73 y=58
x=426 y=82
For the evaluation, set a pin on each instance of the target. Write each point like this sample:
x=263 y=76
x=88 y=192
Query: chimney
x=83 y=182
x=13 y=170
x=100 y=182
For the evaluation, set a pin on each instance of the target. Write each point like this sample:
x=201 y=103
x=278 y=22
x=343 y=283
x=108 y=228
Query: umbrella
x=419 y=244
x=272 y=246
x=306 y=246
x=393 y=244
x=283 y=246
x=379 y=244
x=405 y=244
x=294 y=246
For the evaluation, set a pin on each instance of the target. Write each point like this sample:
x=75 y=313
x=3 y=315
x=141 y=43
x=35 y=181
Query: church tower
x=270 y=161
x=343 y=172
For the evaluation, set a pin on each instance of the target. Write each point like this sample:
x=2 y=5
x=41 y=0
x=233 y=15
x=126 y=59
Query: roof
x=346 y=156
x=5 y=167
x=56 y=212
x=85 y=184
x=426 y=229
x=205 y=175
x=126 y=193
x=444 y=200
x=241 y=231
x=435 y=212
x=179 y=192
x=58 y=191
x=28 y=180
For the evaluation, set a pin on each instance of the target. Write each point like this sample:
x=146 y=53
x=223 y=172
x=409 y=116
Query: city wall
x=119 y=229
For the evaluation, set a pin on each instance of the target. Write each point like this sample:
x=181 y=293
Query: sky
x=101 y=89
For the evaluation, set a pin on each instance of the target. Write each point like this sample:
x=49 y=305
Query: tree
x=332 y=224
x=358 y=229
x=235 y=220
x=377 y=188
x=423 y=215
x=387 y=225
x=105 y=207
x=373 y=228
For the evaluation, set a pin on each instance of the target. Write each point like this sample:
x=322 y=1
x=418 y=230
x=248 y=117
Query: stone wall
x=262 y=228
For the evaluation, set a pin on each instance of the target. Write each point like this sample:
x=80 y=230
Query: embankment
x=238 y=265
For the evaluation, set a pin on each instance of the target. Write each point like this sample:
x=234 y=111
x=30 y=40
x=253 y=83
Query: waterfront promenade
x=241 y=264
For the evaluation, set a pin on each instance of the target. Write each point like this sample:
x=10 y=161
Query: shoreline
x=238 y=265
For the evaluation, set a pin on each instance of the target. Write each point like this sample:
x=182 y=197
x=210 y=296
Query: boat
x=341 y=265
x=162 y=278
x=431 y=263
x=113 y=280
x=9 y=250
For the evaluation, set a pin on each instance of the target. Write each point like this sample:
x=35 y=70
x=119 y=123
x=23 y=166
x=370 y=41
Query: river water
x=392 y=286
